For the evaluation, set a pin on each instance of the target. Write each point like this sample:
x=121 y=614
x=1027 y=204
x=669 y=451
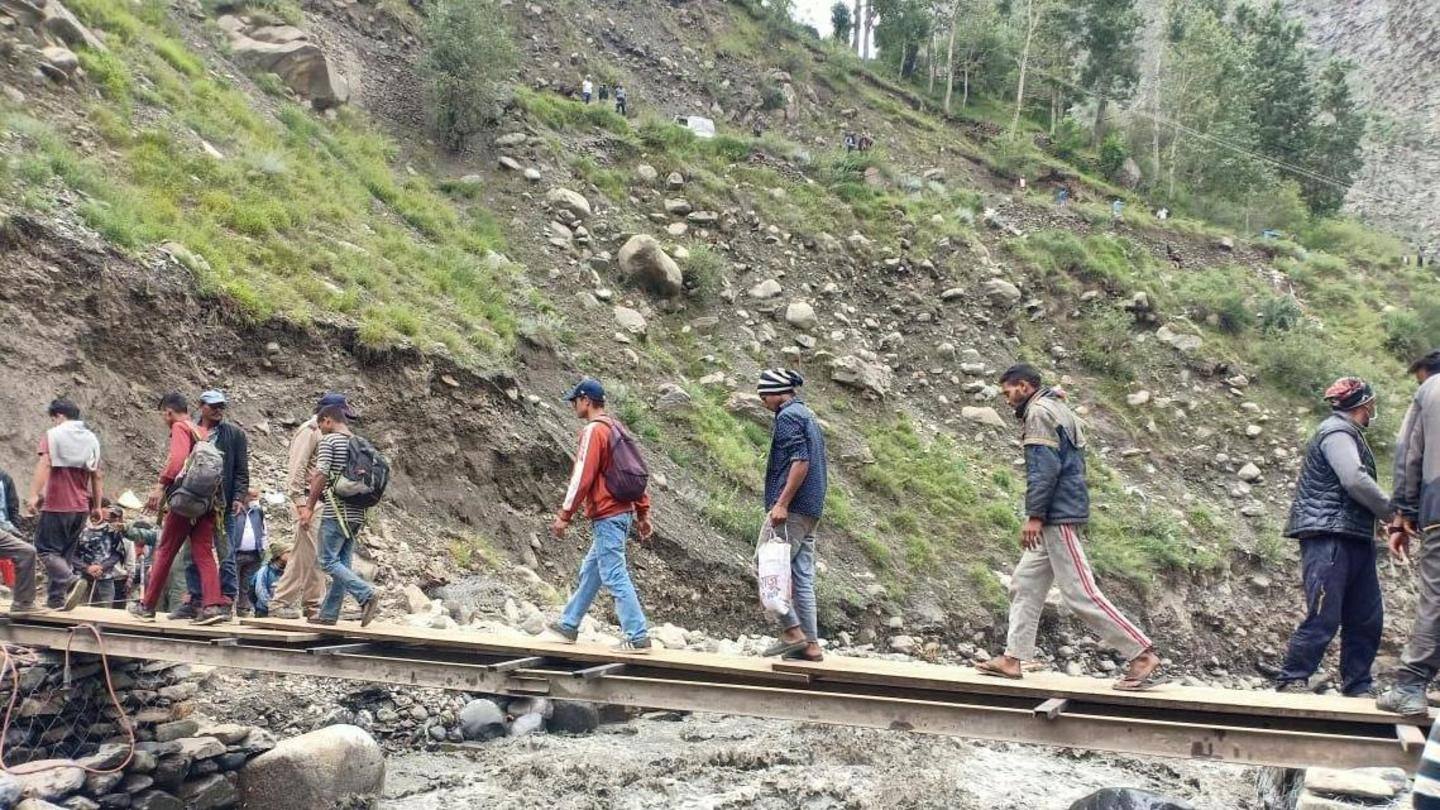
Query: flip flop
x=784 y=648
x=1145 y=684
x=800 y=655
x=993 y=670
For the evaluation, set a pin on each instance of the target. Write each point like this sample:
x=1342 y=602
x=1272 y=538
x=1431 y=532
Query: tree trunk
x=930 y=61
x=855 y=28
x=965 y=94
x=1174 y=152
x=1031 y=22
x=869 y=26
x=1101 y=102
x=950 y=55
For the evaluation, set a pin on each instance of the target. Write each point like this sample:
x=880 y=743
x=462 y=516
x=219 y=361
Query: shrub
x=1070 y=139
x=1299 y=361
x=704 y=272
x=1113 y=152
x=1220 y=295
x=1279 y=313
x=470 y=53
x=1105 y=344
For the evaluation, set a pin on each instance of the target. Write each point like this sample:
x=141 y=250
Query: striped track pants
x=1060 y=559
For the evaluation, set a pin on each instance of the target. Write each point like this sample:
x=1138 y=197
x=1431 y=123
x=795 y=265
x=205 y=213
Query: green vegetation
x=469 y=53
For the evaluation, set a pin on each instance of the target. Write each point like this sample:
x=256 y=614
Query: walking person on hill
x=230 y=439
x=340 y=520
x=587 y=89
x=65 y=489
x=606 y=460
x=796 y=478
x=303 y=584
x=1057 y=503
x=14 y=548
x=1334 y=516
x=190 y=479
x=1417 y=501
x=620 y=99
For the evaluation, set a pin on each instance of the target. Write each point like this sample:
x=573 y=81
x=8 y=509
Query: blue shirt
x=797 y=437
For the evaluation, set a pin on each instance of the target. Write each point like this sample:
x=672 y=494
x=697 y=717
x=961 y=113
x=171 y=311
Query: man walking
x=796 y=477
x=1417 y=502
x=340 y=521
x=65 y=489
x=250 y=541
x=230 y=439
x=620 y=99
x=14 y=548
x=1057 y=502
x=1334 y=517
x=611 y=518
x=587 y=89
x=303 y=583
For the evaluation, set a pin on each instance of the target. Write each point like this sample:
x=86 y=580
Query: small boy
x=97 y=558
x=261 y=587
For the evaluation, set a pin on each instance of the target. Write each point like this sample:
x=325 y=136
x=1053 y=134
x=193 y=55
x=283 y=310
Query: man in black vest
x=1337 y=504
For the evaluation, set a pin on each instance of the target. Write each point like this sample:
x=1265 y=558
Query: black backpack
x=362 y=483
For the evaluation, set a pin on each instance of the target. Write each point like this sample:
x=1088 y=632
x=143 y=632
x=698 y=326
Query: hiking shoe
x=77 y=595
x=565 y=634
x=784 y=648
x=1404 y=699
x=285 y=612
x=321 y=620
x=1293 y=687
x=139 y=611
x=1367 y=692
x=370 y=610
x=186 y=612
x=634 y=646
x=21 y=611
x=214 y=614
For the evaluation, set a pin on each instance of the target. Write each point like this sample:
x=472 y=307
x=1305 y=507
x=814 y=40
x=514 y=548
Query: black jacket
x=1322 y=506
x=231 y=440
x=1054 y=443
x=11 y=504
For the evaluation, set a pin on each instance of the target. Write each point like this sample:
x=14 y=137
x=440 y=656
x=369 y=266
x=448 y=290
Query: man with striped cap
x=1334 y=516
x=795 y=483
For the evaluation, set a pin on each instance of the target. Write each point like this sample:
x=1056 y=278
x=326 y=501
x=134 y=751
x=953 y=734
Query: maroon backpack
x=627 y=476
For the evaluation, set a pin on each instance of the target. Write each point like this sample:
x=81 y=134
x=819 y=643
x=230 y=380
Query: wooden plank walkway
x=109 y=619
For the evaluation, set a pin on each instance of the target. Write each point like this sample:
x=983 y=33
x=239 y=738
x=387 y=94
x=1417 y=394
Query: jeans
x=605 y=564
x=336 y=553
x=1342 y=593
x=225 y=553
x=800 y=530
x=102 y=593
x=246 y=564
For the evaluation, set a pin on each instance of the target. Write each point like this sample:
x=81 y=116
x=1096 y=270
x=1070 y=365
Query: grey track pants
x=1421 y=657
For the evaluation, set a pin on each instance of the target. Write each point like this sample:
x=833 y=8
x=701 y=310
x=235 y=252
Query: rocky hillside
x=245 y=197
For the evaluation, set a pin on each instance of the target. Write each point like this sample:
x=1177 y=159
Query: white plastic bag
x=772 y=563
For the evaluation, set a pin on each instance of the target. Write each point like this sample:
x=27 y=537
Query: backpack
x=627 y=476
x=194 y=492
x=362 y=483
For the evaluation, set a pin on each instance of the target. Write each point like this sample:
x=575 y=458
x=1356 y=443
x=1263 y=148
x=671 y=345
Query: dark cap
x=334 y=400
x=590 y=388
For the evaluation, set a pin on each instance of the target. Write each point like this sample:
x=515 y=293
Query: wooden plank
x=1052 y=708
x=599 y=671
x=1410 y=737
x=1044 y=685
x=109 y=619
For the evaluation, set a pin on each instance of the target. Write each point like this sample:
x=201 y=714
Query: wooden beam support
x=1052 y=708
x=1410 y=737
x=591 y=673
x=346 y=649
x=529 y=662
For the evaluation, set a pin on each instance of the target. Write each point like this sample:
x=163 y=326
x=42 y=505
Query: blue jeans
x=800 y=529
x=1342 y=592
x=229 y=580
x=335 y=555
x=605 y=564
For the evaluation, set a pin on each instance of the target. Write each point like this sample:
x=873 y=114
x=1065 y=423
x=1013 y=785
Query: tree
x=1279 y=77
x=840 y=21
x=904 y=25
x=1112 y=56
x=855 y=18
x=1031 y=14
x=1335 y=136
x=469 y=55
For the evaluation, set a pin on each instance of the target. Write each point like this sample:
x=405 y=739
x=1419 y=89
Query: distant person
x=1173 y=255
x=1417 y=500
x=261 y=587
x=250 y=541
x=604 y=93
x=611 y=515
x=198 y=484
x=99 y=559
x=65 y=489
x=796 y=478
x=1057 y=502
x=1062 y=196
x=851 y=142
x=866 y=142
x=1162 y=214
x=1117 y=210
x=1020 y=185
x=620 y=99
x=1334 y=516
x=340 y=520
x=587 y=89
x=14 y=548
x=230 y=439
x=302 y=587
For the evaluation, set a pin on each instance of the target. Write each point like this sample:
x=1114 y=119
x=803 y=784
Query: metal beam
x=517 y=663
x=1052 y=708
x=591 y=673
x=337 y=649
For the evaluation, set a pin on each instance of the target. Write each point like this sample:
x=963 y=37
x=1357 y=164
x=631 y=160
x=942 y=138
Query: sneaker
x=1404 y=699
x=563 y=634
x=21 y=611
x=636 y=646
x=370 y=610
x=320 y=620
x=186 y=612
x=214 y=614
x=285 y=612
x=139 y=611
x=1367 y=692
x=77 y=595
x=1293 y=687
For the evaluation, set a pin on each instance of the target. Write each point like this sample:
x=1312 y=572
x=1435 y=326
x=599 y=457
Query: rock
x=58 y=20
x=295 y=59
x=903 y=644
x=854 y=372
x=156 y=800
x=985 y=416
x=672 y=637
x=10 y=789
x=1225 y=243
x=672 y=398
x=1250 y=473
x=769 y=288
x=646 y=173
x=1254 y=431
x=208 y=792
x=165 y=732
x=630 y=320
x=1180 y=341
x=1355 y=783
x=646 y=264
x=675 y=181
x=801 y=316
x=200 y=747
x=748 y=406
x=1138 y=398
x=38 y=804
x=1001 y=293
x=527 y=724
x=533 y=175
x=679 y=207
x=78 y=802
x=1129 y=175
x=511 y=139
x=320 y=769
x=415 y=599
x=703 y=218
x=62 y=62
x=1128 y=799
x=509 y=163
x=50 y=779
x=482 y=719
x=109 y=756
x=952 y=294
x=563 y=199
x=571 y=717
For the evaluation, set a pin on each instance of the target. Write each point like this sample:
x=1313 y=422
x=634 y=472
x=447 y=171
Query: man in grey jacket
x=1417 y=502
x=1334 y=516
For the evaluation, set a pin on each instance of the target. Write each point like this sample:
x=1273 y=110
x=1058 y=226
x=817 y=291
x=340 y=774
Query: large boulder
x=563 y=199
x=854 y=372
x=1128 y=799
x=1001 y=293
x=801 y=316
x=325 y=768
x=49 y=779
x=1129 y=175
x=482 y=719
x=58 y=20
x=646 y=264
x=288 y=52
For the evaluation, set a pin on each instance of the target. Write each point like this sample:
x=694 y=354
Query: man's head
x=332 y=419
x=1354 y=398
x=62 y=410
x=115 y=516
x=587 y=398
x=333 y=399
x=776 y=387
x=252 y=497
x=212 y=407
x=1019 y=383
x=1425 y=366
x=173 y=408
x=280 y=553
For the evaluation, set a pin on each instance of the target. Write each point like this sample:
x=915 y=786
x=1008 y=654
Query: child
x=261 y=587
x=97 y=559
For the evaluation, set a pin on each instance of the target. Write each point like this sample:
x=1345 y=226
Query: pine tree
x=1107 y=31
x=1335 y=140
x=903 y=26
x=840 y=21
x=1279 y=78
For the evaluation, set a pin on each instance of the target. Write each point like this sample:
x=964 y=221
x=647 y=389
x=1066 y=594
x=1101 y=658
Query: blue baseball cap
x=590 y=388
x=334 y=400
x=212 y=398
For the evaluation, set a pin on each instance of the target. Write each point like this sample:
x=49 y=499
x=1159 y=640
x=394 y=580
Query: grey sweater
x=1417 y=457
x=1344 y=458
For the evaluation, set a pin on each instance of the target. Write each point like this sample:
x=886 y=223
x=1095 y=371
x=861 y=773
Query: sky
x=816 y=13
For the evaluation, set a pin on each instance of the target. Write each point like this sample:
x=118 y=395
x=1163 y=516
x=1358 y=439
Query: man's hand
x=152 y=503
x=304 y=513
x=1030 y=533
x=94 y=571
x=644 y=530
x=32 y=506
x=1399 y=543
x=779 y=514
x=557 y=529
x=1408 y=526
x=238 y=507
x=97 y=516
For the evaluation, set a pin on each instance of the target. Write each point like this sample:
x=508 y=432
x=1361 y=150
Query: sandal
x=1132 y=682
x=993 y=669
x=784 y=648
x=801 y=655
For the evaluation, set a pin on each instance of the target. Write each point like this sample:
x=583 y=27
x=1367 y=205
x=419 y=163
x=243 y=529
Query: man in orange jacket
x=610 y=522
